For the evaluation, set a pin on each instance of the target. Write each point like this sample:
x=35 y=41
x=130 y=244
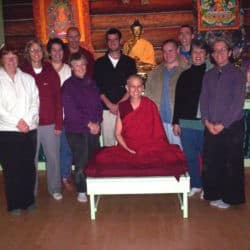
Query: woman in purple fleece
x=83 y=114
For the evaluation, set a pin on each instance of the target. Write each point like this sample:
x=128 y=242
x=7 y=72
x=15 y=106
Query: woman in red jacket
x=50 y=113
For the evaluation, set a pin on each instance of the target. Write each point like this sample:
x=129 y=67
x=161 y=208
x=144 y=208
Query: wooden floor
x=143 y=222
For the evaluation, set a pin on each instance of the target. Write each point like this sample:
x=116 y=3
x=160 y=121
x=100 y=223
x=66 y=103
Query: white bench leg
x=185 y=205
x=92 y=207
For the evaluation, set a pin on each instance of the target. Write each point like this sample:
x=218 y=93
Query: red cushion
x=95 y=169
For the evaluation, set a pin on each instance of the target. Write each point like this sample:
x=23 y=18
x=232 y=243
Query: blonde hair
x=28 y=46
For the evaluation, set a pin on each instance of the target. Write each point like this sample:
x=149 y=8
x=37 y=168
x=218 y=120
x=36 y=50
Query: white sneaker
x=57 y=196
x=81 y=197
x=215 y=203
x=194 y=191
x=223 y=205
x=202 y=195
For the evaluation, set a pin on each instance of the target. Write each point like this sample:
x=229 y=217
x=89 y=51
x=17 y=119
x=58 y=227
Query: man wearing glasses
x=222 y=99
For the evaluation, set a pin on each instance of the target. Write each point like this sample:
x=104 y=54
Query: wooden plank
x=247 y=28
x=247 y=17
x=245 y=3
x=147 y=20
x=124 y=222
x=114 y=6
x=16 y=2
x=19 y=27
x=18 y=42
x=17 y=12
x=155 y=36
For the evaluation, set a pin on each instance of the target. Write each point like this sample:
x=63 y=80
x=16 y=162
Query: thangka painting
x=61 y=16
x=54 y=17
x=218 y=14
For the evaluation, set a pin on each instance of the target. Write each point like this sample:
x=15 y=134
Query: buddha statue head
x=136 y=29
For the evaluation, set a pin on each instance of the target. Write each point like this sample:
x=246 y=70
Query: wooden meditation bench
x=105 y=185
x=97 y=186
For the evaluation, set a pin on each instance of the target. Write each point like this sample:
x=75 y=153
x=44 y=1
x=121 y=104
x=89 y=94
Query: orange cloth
x=144 y=50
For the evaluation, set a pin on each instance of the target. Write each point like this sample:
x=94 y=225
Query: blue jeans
x=192 y=142
x=65 y=156
x=172 y=139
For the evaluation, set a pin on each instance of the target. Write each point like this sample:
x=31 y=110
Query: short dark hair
x=6 y=49
x=187 y=26
x=199 y=44
x=55 y=40
x=113 y=31
x=76 y=57
x=221 y=40
x=174 y=42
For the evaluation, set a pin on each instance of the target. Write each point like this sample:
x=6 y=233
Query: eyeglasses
x=220 y=51
x=35 y=50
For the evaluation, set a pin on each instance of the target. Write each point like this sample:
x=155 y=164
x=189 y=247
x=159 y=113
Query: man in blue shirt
x=185 y=37
x=161 y=84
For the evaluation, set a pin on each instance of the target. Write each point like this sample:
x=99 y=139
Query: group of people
x=35 y=111
x=201 y=108
x=66 y=101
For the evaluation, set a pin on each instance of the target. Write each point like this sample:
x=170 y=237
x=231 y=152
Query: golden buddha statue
x=140 y=49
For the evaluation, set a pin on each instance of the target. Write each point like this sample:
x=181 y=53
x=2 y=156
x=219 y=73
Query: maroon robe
x=143 y=132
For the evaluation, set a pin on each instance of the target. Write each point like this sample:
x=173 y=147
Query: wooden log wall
x=18 y=22
x=161 y=20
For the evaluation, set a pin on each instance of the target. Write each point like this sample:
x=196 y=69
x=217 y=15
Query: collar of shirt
x=186 y=54
x=85 y=80
x=224 y=67
x=170 y=71
x=6 y=76
x=114 y=61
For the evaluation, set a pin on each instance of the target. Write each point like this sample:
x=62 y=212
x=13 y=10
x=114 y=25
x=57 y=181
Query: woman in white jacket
x=19 y=107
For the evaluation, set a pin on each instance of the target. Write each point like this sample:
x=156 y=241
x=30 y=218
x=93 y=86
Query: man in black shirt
x=111 y=72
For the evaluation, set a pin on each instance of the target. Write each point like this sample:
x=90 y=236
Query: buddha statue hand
x=128 y=46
